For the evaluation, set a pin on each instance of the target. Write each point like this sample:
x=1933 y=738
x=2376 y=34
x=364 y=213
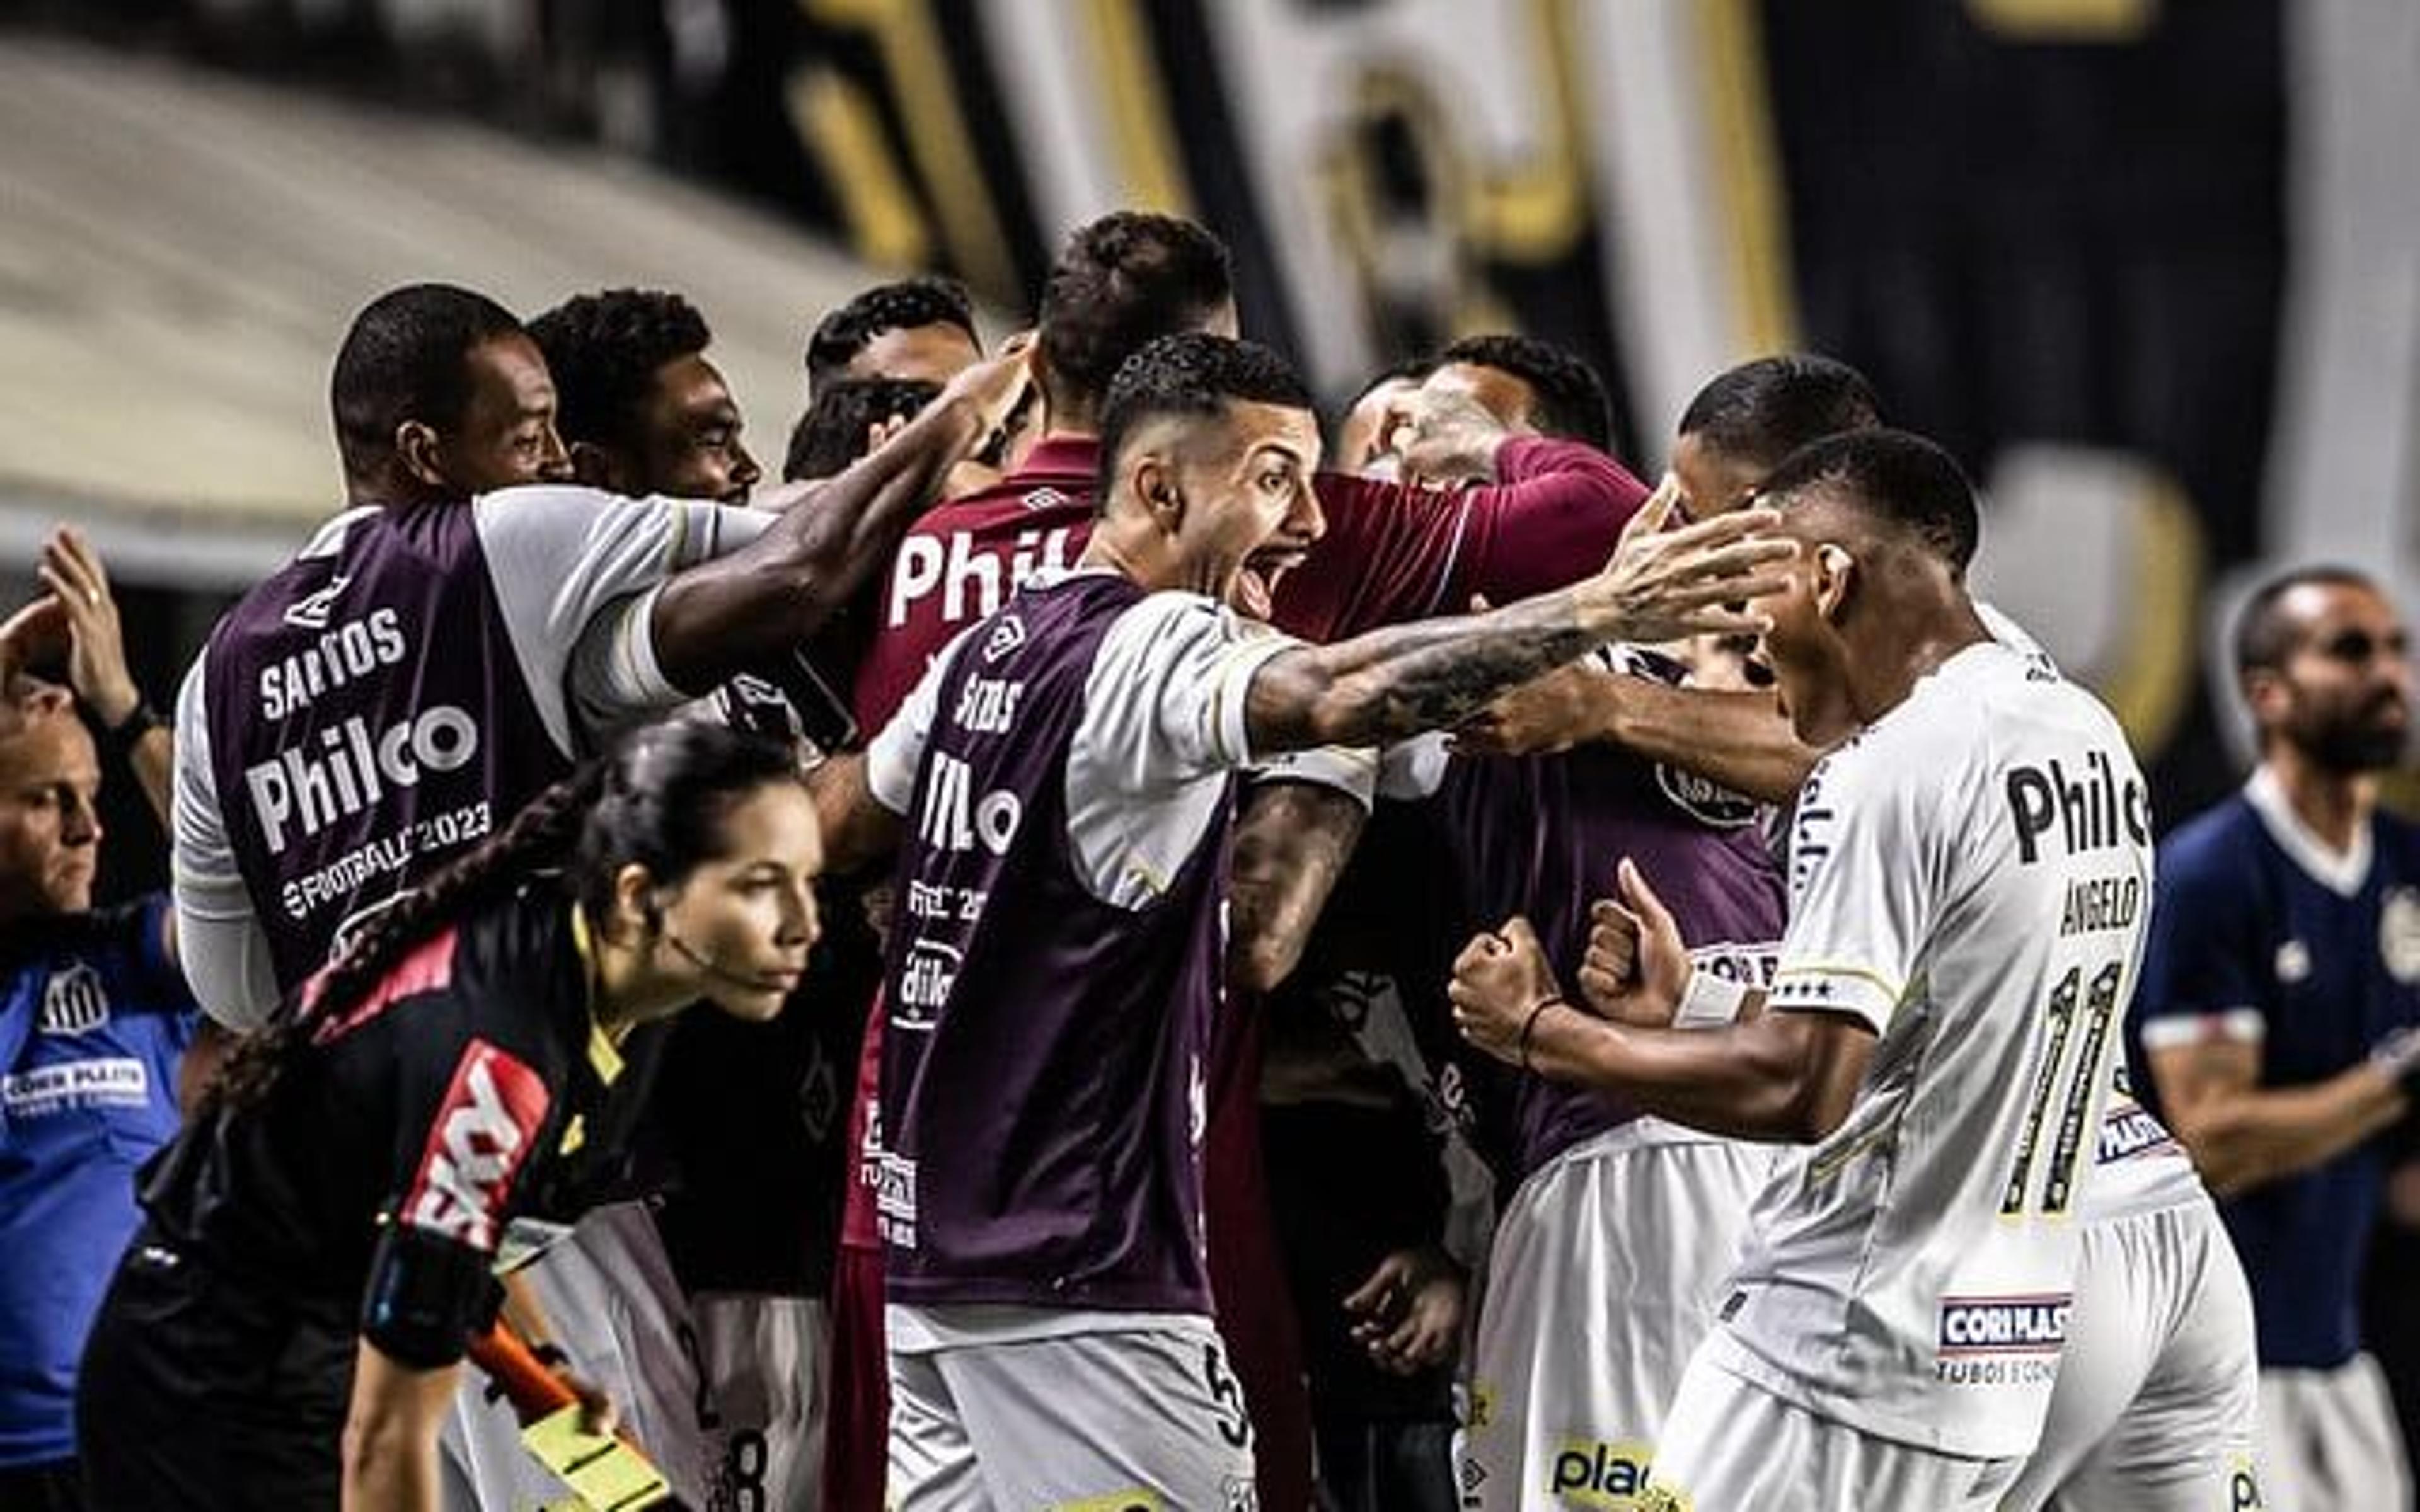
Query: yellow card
x=605 y=1472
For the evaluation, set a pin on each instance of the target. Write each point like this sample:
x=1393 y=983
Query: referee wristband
x=1710 y=1001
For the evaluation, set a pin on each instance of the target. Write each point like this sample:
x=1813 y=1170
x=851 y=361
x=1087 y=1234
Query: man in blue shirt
x=2277 y=1012
x=94 y=1014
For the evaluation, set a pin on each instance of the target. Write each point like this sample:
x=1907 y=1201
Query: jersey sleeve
x=2201 y=962
x=1164 y=702
x=895 y=752
x=575 y=572
x=1860 y=853
x=1352 y=770
x=1394 y=552
x=220 y=947
x=470 y=1144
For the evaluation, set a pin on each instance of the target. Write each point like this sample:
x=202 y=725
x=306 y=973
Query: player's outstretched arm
x=1739 y=739
x=1660 y=585
x=1787 y=1077
x=736 y=611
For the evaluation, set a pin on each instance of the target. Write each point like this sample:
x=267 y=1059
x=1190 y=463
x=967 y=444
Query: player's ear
x=1154 y=483
x=1836 y=573
x=597 y=468
x=416 y=446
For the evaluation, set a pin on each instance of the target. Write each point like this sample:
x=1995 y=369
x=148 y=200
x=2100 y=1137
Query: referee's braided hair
x=658 y=801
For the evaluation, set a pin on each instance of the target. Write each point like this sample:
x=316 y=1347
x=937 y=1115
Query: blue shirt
x=93 y=1020
x=2261 y=934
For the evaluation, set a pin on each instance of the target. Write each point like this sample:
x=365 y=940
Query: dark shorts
x=55 y=1487
x=198 y=1391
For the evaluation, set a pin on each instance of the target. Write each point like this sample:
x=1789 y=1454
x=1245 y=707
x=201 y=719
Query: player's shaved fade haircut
x=1120 y=283
x=1571 y=401
x=1892 y=476
x=1192 y=374
x=2266 y=638
x=1762 y=410
x=604 y=349
x=903 y=305
x=831 y=434
x=407 y=357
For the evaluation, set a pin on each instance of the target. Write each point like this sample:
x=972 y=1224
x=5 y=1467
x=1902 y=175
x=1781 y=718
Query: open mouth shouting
x=1255 y=594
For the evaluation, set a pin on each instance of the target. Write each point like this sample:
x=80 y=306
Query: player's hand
x=1442 y=437
x=597 y=1414
x=993 y=388
x=1667 y=580
x=1409 y=1314
x=35 y=635
x=1636 y=965
x=72 y=570
x=1498 y=981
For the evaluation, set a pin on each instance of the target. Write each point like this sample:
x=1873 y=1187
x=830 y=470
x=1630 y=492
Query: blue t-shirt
x=2261 y=934
x=93 y=1020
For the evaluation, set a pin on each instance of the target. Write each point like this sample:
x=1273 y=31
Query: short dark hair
x=831 y=434
x=1193 y=373
x=1571 y=401
x=405 y=358
x=604 y=349
x=903 y=304
x=1121 y=282
x=2265 y=639
x=1894 y=476
x=1765 y=409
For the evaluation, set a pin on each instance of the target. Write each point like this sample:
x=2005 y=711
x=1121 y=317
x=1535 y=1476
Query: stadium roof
x=181 y=250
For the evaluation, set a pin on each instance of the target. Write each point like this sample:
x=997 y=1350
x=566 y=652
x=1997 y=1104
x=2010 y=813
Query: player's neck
x=1892 y=669
x=2332 y=806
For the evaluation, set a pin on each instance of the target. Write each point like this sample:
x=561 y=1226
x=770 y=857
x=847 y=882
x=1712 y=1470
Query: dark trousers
x=198 y=1393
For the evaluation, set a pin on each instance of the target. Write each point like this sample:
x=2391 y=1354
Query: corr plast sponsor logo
x=1599 y=1472
x=2034 y=1324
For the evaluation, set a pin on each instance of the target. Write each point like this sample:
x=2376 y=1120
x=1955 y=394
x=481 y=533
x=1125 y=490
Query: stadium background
x=2143 y=265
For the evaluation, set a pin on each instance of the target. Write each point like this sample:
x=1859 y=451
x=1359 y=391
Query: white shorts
x=613 y=1308
x=1143 y=1418
x=2158 y=1387
x=764 y=1363
x=2329 y=1438
x=1730 y=1446
x=1606 y=1273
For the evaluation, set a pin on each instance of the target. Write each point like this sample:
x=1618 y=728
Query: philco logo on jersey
x=1592 y=1473
x=484 y=1129
x=954 y=568
x=2003 y=1325
x=313 y=791
x=73 y=1002
x=952 y=819
x=926 y=978
x=1703 y=799
x=350 y=652
x=2091 y=811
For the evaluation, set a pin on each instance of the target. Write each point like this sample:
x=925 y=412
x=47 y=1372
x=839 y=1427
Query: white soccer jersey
x=1970 y=877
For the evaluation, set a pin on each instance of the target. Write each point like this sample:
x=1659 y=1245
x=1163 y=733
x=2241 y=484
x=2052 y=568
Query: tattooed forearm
x=1398 y=682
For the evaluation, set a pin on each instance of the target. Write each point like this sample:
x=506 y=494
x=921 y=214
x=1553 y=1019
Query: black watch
x=119 y=739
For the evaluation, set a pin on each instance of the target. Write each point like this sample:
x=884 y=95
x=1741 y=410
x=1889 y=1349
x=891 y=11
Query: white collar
x=2340 y=871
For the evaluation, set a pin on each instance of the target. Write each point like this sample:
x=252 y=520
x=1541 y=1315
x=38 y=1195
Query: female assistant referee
x=319 y=1246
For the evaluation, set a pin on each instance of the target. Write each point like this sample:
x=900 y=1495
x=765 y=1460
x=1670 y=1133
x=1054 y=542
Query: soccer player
x=918 y=329
x=436 y=654
x=833 y=431
x=94 y=1016
x=287 y=1328
x=1939 y=1030
x=638 y=406
x=1066 y=772
x=2278 y=1010
x=1640 y=1214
